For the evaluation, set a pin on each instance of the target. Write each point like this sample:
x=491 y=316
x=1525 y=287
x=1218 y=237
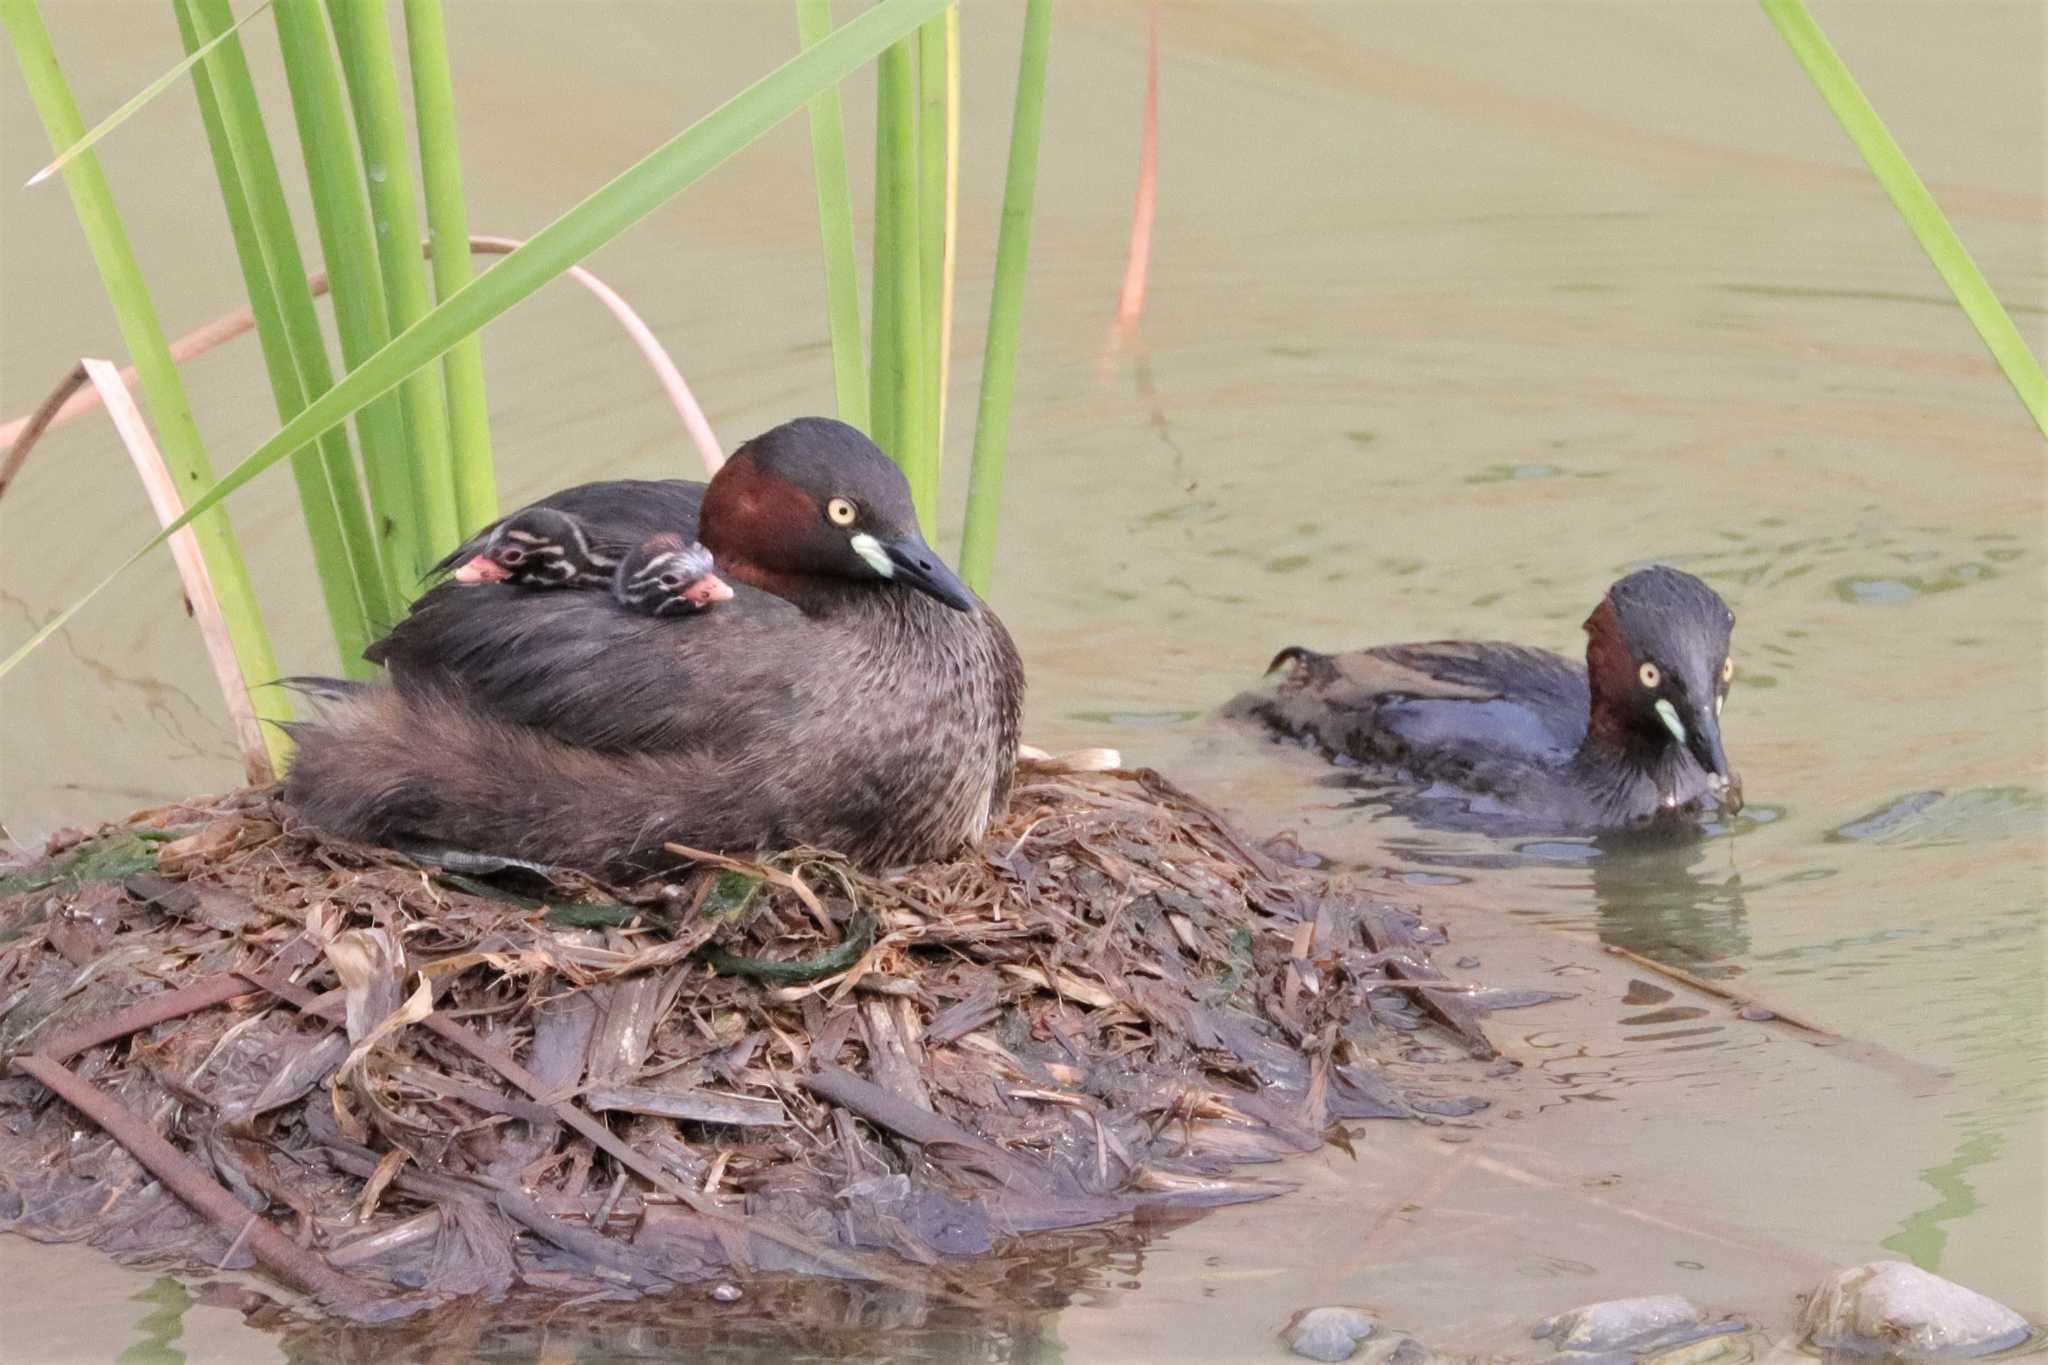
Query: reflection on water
x=1682 y=907
x=1004 y=1308
x=1671 y=892
x=158 y=1330
x=1003 y=1313
x=1675 y=895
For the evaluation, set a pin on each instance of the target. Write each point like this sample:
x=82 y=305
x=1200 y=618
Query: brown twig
x=202 y=994
x=158 y=1009
x=67 y=402
x=71 y=399
x=1706 y=987
x=38 y=421
x=184 y=1178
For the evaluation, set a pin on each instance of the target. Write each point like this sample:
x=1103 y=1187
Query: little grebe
x=541 y=547
x=853 y=695
x=537 y=547
x=1632 y=736
x=668 y=576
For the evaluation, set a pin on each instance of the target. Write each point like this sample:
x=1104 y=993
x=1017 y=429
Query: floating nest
x=388 y=1082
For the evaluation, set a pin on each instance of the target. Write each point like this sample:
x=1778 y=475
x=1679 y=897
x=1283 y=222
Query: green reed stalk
x=883 y=361
x=288 y=331
x=370 y=66
x=931 y=223
x=898 y=380
x=949 y=265
x=1006 y=304
x=835 y=221
x=348 y=244
x=141 y=97
x=600 y=218
x=1824 y=66
x=469 y=412
x=184 y=453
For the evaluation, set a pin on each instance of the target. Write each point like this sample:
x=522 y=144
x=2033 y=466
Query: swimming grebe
x=1631 y=736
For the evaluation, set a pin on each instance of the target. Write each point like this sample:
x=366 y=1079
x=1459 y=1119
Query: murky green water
x=1457 y=312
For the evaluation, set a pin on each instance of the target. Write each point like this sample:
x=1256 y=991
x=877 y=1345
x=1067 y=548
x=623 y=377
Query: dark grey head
x=815 y=500
x=538 y=548
x=667 y=576
x=1658 y=664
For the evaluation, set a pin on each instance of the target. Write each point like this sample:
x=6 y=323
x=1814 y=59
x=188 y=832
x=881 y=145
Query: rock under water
x=1329 y=1333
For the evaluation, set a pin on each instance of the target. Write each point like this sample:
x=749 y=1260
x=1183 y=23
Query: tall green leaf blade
x=1852 y=109
x=614 y=208
x=884 y=363
x=1006 y=304
x=469 y=413
x=897 y=383
x=177 y=434
x=931 y=226
x=141 y=97
x=341 y=212
x=835 y=222
x=370 y=65
x=287 y=328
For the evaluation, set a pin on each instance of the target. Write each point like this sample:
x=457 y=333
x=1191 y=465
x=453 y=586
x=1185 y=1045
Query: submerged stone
x=1407 y=1351
x=1631 y=1326
x=1892 y=1308
x=1329 y=1333
x=1726 y=1349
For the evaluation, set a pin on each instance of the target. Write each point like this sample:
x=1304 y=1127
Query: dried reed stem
x=206 y=613
x=1130 y=304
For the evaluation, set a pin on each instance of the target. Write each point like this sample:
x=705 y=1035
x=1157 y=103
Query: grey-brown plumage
x=1527 y=735
x=829 y=703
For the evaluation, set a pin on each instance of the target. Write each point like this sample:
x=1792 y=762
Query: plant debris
x=233 y=1042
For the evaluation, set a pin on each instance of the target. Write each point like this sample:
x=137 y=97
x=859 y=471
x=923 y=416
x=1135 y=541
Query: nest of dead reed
x=234 y=1042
